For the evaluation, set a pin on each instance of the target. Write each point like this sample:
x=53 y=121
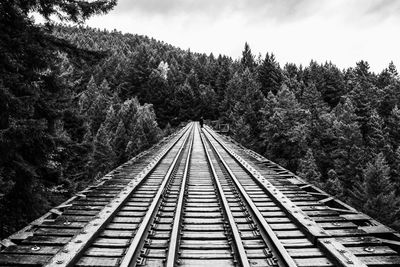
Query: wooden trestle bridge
x=199 y=199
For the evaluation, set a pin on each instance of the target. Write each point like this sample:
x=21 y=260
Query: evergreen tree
x=333 y=185
x=103 y=156
x=308 y=169
x=119 y=143
x=389 y=99
x=247 y=61
x=244 y=100
x=104 y=88
x=395 y=171
x=393 y=126
x=137 y=74
x=348 y=156
x=388 y=76
x=376 y=193
x=97 y=111
x=375 y=139
x=286 y=131
x=86 y=97
x=311 y=99
x=269 y=74
x=111 y=120
x=223 y=77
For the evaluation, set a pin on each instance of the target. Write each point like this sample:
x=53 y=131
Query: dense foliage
x=76 y=102
x=57 y=133
x=339 y=129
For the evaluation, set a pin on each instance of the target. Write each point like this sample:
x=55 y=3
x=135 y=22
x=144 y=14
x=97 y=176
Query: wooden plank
x=56 y=231
x=372 y=251
x=43 y=250
x=98 y=261
x=378 y=229
x=105 y=252
x=296 y=243
x=112 y=242
x=341 y=254
x=47 y=240
x=356 y=217
x=117 y=233
x=379 y=261
x=60 y=224
x=23 y=260
x=313 y=262
x=305 y=252
x=359 y=241
x=346 y=232
x=392 y=243
x=338 y=225
x=289 y=234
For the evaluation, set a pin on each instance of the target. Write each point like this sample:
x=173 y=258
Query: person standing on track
x=201 y=122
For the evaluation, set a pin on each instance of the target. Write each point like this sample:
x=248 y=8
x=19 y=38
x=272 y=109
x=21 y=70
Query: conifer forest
x=76 y=102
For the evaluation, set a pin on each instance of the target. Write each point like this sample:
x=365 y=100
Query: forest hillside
x=106 y=96
x=339 y=129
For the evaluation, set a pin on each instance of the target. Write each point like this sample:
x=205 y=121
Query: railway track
x=200 y=199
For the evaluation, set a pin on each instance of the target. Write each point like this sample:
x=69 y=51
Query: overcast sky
x=341 y=31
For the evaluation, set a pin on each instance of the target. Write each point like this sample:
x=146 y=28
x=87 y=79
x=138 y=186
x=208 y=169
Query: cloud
x=277 y=10
x=343 y=31
x=383 y=9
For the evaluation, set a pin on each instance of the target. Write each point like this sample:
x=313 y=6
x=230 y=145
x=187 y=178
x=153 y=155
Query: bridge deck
x=200 y=199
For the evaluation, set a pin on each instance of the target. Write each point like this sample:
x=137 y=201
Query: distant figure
x=201 y=122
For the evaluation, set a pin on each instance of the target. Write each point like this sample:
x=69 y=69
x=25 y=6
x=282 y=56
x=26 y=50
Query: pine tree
x=119 y=143
x=223 y=77
x=388 y=76
x=184 y=102
x=333 y=185
x=111 y=120
x=348 y=155
x=286 y=131
x=395 y=170
x=244 y=100
x=98 y=111
x=137 y=74
x=247 y=61
x=393 y=126
x=390 y=98
x=308 y=169
x=375 y=139
x=380 y=199
x=269 y=74
x=242 y=132
x=104 y=88
x=86 y=97
x=311 y=99
x=328 y=80
x=103 y=156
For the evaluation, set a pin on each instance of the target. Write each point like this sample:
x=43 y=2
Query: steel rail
x=317 y=235
x=72 y=251
x=132 y=253
x=244 y=261
x=174 y=239
x=278 y=247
